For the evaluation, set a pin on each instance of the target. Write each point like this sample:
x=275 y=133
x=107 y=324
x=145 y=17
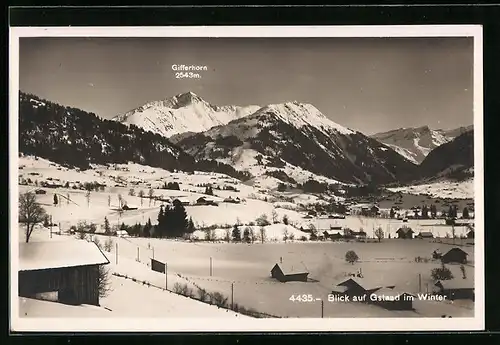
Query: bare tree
x=87 y=195
x=285 y=234
x=379 y=233
x=151 y=193
x=120 y=200
x=30 y=212
x=274 y=215
x=227 y=236
x=131 y=192
x=67 y=198
x=141 y=195
x=253 y=235
x=262 y=234
x=104 y=281
x=109 y=200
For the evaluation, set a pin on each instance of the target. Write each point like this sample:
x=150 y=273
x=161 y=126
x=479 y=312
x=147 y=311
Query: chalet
x=405 y=232
x=285 y=273
x=65 y=272
x=128 y=207
x=425 y=234
x=455 y=288
x=202 y=201
x=356 y=286
x=183 y=202
x=454 y=255
x=335 y=227
x=359 y=234
x=332 y=234
x=231 y=200
x=470 y=234
x=122 y=233
x=40 y=191
x=391 y=299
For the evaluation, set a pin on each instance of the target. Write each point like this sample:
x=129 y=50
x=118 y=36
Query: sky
x=366 y=84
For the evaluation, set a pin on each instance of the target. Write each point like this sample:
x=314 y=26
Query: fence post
x=322 y=308
x=232 y=296
x=166 y=277
x=116 y=253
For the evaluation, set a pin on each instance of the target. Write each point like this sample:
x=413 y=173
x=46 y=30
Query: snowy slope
x=182 y=113
x=416 y=143
x=298 y=135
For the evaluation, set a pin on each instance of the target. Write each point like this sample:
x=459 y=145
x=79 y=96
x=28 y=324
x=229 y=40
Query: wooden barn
x=455 y=289
x=470 y=234
x=391 y=299
x=454 y=255
x=425 y=234
x=286 y=273
x=405 y=232
x=60 y=271
x=355 y=286
x=332 y=234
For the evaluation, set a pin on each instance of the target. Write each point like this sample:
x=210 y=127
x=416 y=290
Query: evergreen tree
x=425 y=212
x=191 y=227
x=236 y=234
x=246 y=235
x=392 y=213
x=450 y=212
x=465 y=213
x=56 y=201
x=433 y=211
x=107 y=228
x=146 y=231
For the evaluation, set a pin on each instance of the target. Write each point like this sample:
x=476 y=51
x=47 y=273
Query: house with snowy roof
x=289 y=272
x=60 y=271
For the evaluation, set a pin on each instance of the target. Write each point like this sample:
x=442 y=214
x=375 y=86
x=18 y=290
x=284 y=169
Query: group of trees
x=173 y=221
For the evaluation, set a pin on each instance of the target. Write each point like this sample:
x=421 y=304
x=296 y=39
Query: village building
x=391 y=299
x=61 y=271
x=332 y=234
x=456 y=288
x=454 y=255
x=286 y=272
x=470 y=234
x=40 y=191
x=405 y=232
x=425 y=234
x=122 y=233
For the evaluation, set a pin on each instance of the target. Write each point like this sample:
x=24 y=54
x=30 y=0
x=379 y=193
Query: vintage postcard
x=246 y=178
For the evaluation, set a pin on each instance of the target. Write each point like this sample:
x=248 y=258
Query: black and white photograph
x=208 y=178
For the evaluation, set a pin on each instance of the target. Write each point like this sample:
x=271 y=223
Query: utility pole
x=138 y=257
x=153 y=252
x=322 y=308
x=210 y=266
x=116 y=253
x=419 y=282
x=232 y=296
x=166 y=277
x=50 y=226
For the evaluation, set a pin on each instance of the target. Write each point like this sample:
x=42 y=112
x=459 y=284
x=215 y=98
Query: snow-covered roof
x=457 y=283
x=58 y=254
x=292 y=268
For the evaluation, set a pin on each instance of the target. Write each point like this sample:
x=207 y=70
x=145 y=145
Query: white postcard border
x=249 y=324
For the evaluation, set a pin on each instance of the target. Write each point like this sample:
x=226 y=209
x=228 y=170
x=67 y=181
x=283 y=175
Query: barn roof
x=405 y=229
x=288 y=268
x=425 y=233
x=391 y=292
x=456 y=283
x=58 y=254
x=371 y=282
x=456 y=249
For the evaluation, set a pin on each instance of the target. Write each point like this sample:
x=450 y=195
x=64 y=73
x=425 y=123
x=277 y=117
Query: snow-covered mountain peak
x=185 y=112
x=303 y=114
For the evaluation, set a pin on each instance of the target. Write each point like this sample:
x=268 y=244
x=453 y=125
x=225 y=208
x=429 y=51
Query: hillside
x=299 y=135
x=452 y=160
x=77 y=138
x=416 y=143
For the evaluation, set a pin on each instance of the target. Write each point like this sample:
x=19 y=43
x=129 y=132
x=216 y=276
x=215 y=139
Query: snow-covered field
x=216 y=266
x=442 y=189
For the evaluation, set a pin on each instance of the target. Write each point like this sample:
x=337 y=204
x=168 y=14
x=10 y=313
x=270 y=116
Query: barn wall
x=74 y=285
